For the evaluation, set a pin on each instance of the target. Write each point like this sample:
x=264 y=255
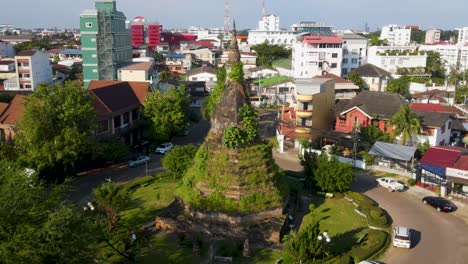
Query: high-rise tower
x=105 y=41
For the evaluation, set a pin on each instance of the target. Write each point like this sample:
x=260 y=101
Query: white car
x=164 y=147
x=391 y=184
x=138 y=161
x=402 y=237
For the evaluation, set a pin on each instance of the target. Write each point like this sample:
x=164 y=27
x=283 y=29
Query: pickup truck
x=390 y=184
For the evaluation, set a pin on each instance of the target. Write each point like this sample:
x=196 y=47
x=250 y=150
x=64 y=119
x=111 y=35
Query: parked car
x=369 y=262
x=441 y=204
x=138 y=161
x=402 y=237
x=390 y=184
x=164 y=147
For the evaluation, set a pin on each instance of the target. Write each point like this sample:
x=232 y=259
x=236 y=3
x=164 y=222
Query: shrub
x=375 y=215
x=375 y=241
x=179 y=159
x=411 y=182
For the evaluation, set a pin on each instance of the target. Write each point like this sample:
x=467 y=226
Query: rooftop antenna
x=263 y=8
x=226 y=18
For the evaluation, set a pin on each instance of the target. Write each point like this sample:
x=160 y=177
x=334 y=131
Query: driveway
x=440 y=237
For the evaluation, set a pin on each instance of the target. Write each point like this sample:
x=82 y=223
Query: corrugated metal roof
x=175 y=56
x=392 y=151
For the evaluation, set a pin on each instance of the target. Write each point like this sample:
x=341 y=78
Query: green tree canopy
x=418 y=36
x=357 y=80
x=164 y=76
x=178 y=160
x=400 y=86
x=37 y=226
x=332 y=175
x=406 y=124
x=267 y=53
x=370 y=134
x=210 y=102
x=435 y=66
x=167 y=111
x=461 y=94
x=303 y=247
x=56 y=128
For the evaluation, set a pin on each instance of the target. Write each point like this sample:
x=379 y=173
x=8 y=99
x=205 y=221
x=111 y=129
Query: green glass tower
x=105 y=41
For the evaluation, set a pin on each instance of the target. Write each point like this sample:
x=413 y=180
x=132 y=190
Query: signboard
x=454 y=173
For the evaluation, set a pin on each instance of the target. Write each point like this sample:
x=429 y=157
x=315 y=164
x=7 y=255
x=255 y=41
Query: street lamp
x=325 y=239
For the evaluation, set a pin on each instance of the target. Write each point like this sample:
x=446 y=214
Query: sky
x=342 y=14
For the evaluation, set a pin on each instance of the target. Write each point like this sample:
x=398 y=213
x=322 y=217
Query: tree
x=406 y=124
x=435 y=66
x=422 y=148
x=158 y=57
x=371 y=134
x=167 y=111
x=418 y=36
x=332 y=175
x=37 y=225
x=400 y=86
x=113 y=149
x=178 y=160
x=357 y=80
x=267 y=53
x=461 y=94
x=111 y=199
x=164 y=76
x=303 y=247
x=376 y=41
x=56 y=59
x=56 y=128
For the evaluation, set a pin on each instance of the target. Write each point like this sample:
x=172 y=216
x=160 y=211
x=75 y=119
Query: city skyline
x=210 y=13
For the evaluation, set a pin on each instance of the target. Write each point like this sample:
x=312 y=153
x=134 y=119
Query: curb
x=364 y=215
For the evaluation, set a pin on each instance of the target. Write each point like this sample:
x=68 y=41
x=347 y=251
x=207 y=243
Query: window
x=117 y=121
x=345 y=61
x=334 y=55
x=93 y=55
x=333 y=65
x=449 y=126
x=103 y=126
x=135 y=114
x=89 y=24
x=345 y=51
x=283 y=90
x=126 y=118
x=353 y=61
x=93 y=40
x=194 y=78
x=94 y=70
x=27 y=86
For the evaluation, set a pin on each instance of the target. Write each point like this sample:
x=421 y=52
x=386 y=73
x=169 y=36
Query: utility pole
x=355 y=136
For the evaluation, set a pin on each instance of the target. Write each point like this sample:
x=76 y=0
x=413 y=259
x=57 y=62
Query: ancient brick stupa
x=233 y=191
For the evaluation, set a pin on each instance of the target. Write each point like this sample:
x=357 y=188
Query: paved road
x=84 y=185
x=440 y=237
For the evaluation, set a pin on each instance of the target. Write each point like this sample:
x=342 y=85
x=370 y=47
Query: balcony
x=303 y=130
x=305 y=97
x=304 y=113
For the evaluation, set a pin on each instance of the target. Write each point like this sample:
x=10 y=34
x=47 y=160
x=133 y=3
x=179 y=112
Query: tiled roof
x=462 y=163
x=3 y=107
x=337 y=78
x=442 y=157
x=113 y=96
x=27 y=53
x=201 y=70
x=379 y=104
x=138 y=66
x=433 y=119
x=61 y=68
x=428 y=107
x=370 y=70
x=7 y=62
x=15 y=110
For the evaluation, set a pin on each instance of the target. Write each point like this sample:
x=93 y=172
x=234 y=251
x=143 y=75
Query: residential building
x=10 y=114
x=174 y=39
x=269 y=23
x=368 y=108
x=432 y=36
x=376 y=78
x=462 y=35
x=198 y=92
x=279 y=90
x=344 y=89
x=315 y=100
x=32 y=68
x=178 y=63
x=396 y=35
x=145 y=33
x=139 y=72
x=262 y=72
x=454 y=56
x=436 y=128
x=16 y=39
x=316 y=55
x=354 y=51
x=445 y=173
x=117 y=106
x=6 y=50
x=60 y=72
x=204 y=54
x=393 y=156
x=70 y=54
x=397 y=58
x=7 y=69
x=204 y=74
x=105 y=40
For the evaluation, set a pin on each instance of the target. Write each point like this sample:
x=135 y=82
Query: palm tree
x=406 y=124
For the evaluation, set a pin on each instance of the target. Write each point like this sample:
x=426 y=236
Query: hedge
x=375 y=215
x=375 y=241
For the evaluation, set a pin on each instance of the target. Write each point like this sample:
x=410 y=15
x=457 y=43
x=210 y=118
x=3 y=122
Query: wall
x=41 y=69
x=375 y=84
x=134 y=75
x=273 y=37
x=306 y=59
x=323 y=107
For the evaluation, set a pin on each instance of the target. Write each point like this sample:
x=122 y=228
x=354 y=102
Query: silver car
x=138 y=161
x=164 y=147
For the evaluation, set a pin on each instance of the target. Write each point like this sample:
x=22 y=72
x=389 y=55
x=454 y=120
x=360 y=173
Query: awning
x=434 y=169
x=392 y=151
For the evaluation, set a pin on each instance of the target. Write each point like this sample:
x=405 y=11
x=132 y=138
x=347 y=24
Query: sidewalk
x=420 y=192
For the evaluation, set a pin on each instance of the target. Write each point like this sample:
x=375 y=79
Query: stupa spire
x=233 y=52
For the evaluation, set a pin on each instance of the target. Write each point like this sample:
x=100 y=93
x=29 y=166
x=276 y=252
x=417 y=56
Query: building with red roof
x=10 y=114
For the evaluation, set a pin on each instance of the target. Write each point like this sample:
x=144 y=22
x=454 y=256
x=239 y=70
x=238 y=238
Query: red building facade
x=154 y=35
x=356 y=116
x=137 y=34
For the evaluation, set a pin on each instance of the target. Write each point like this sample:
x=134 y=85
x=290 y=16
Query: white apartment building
x=462 y=35
x=269 y=23
x=396 y=35
x=203 y=54
x=432 y=36
x=32 y=68
x=282 y=37
x=316 y=55
x=354 y=51
x=6 y=50
x=392 y=58
x=454 y=56
x=203 y=74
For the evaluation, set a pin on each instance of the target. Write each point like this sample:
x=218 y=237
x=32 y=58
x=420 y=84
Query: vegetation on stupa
x=237 y=174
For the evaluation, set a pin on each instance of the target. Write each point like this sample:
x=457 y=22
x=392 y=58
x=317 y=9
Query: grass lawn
x=272 y=80
x=261 y=256
x=148 y=200
x=338 y=218
x=168 y=249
